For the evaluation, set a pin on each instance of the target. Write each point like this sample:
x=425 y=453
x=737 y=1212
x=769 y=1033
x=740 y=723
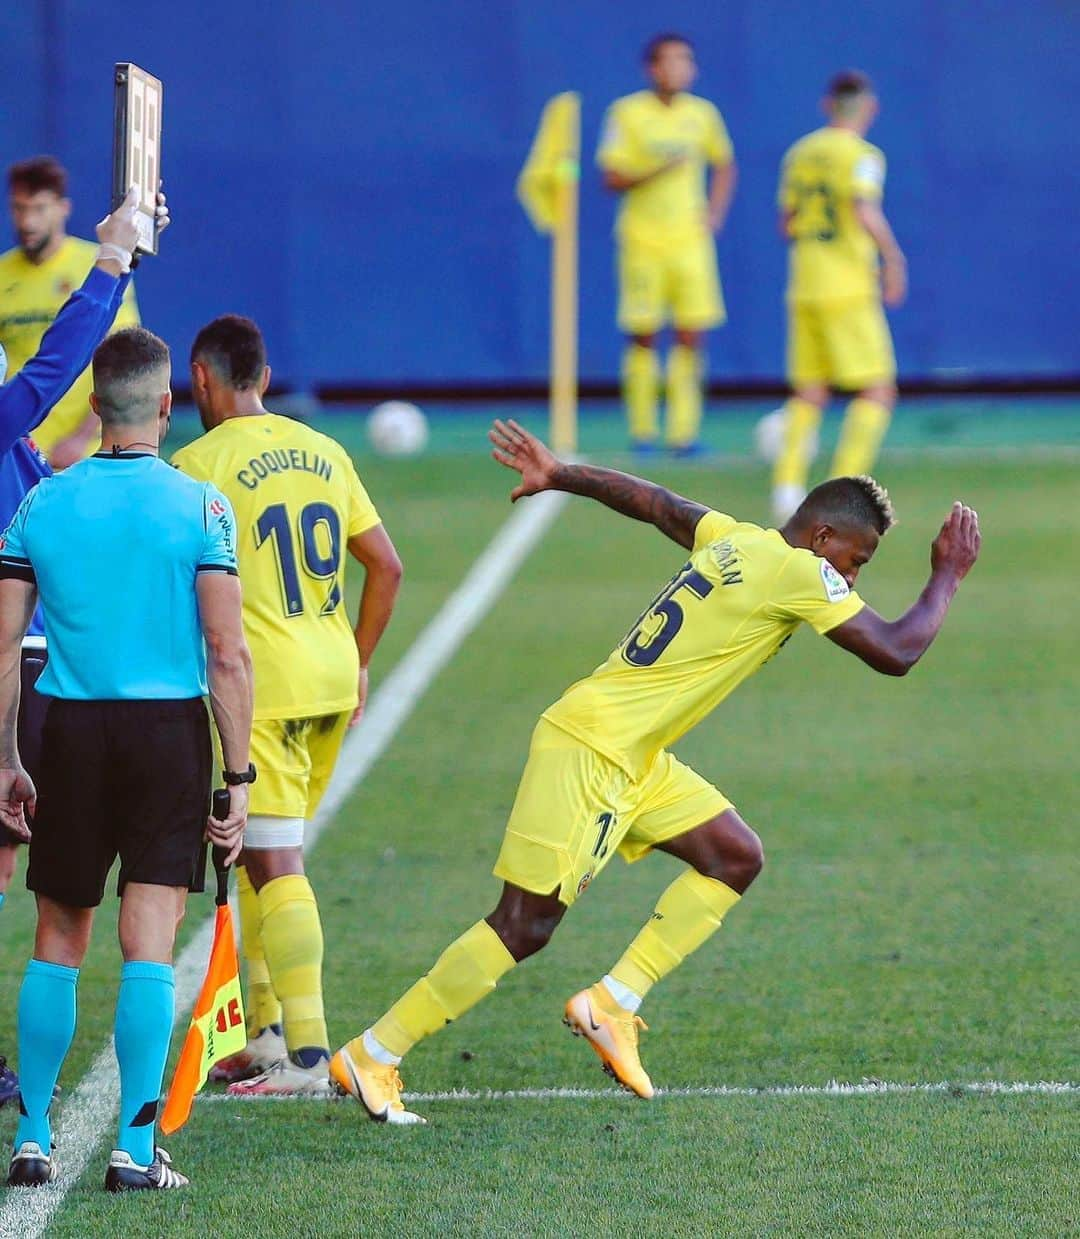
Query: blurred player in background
x=653 y=151
x=831 y=186
x=36 y=278
x=299 y=507
x=601 y=778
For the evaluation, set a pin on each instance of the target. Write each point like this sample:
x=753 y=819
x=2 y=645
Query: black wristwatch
x=234 y=778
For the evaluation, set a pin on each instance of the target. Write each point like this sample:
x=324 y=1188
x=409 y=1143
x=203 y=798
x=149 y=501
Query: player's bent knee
x=747 y=862
x=524 y=937
x=737 y=856
x=525 y=922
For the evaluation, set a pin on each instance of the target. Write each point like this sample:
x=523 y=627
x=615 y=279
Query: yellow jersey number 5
x=318 y=538
x=658 y=626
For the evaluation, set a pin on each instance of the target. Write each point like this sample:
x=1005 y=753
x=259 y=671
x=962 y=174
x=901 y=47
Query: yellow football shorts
x=575 y=809
x=294 y=759
x=845 y=344
x=673 y=281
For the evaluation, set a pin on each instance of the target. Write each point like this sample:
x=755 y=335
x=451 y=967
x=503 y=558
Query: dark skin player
x=725 y=848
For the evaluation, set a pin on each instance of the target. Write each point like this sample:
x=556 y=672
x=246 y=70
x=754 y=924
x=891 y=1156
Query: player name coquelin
x=281 y=459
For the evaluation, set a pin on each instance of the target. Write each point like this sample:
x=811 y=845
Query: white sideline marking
x=92 y=1107
x=834 y=1088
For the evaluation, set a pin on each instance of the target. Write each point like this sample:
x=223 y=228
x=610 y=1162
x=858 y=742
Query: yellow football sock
x=800 y=425
x=468 y=970
x=641 y=391
x=688 y=913
x=293 y=942
x=683 y=396
x=865 y=423
x=263 y=1008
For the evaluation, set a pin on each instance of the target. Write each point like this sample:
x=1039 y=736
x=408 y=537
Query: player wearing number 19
x=600 y=777
x=299 y=506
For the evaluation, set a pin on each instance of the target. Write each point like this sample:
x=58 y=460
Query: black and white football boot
x=30 y=1167
x=125 y=1175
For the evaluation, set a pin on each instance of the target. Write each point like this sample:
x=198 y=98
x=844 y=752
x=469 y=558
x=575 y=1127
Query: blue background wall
x=345 y=172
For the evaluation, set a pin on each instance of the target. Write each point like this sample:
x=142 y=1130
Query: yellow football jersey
x=30 y=298
x=831 y=255
x=729 y=609
x=298 y=501
x=640 y=133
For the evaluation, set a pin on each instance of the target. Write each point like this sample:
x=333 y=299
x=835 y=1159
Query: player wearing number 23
x=601 y=777
x=299 y=506
x=843 y=262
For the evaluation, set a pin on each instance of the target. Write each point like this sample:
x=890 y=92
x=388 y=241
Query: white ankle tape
x=378 y=1051
x=623 y=994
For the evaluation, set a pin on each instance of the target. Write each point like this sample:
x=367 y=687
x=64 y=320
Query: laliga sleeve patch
x=836 y=588
x=869 y=171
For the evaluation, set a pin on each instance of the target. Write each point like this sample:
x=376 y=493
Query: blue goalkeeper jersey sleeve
x=65 y=352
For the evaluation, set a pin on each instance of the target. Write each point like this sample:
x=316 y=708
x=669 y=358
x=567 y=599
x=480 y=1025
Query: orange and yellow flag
x=217 y=1025
x=552 y=165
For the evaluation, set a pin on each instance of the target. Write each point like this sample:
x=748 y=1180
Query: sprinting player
x=831 y=186
x=654 y=150
x=36 y=278
x=299 y=507
x=600 y=777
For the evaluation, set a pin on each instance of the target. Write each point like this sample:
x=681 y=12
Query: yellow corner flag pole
x=217 y=1023
x=548 y=190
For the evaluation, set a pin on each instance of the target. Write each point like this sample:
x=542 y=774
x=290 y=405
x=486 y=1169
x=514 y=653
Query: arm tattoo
x=634 y=497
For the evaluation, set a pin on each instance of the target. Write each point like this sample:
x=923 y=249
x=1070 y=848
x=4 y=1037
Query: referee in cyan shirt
x=64 y=353
x=136 y=567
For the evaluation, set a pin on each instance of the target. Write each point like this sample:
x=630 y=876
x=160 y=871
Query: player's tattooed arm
x=634 y=497
x=542 y=470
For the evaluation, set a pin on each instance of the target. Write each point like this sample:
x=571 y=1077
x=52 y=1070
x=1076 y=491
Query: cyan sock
x=46 y=1027
x=144 y=1021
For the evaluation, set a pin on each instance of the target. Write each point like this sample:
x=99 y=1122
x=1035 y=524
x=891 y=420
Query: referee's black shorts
x=127 y=778
x=32 y=710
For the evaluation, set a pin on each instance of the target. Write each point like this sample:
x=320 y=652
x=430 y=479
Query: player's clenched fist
x=956 y=547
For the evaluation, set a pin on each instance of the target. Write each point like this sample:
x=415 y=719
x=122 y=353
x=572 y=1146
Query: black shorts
x=127 y=778
x=32 y=710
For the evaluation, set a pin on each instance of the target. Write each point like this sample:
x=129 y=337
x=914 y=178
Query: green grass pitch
x=916 y=919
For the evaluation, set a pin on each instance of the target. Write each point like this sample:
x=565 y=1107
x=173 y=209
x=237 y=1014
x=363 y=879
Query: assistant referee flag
x=217 y=1024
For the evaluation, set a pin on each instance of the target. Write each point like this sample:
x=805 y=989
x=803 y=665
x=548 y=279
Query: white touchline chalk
x=834 y=1088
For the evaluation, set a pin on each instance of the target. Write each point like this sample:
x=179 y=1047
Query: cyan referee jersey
x=64 y=353
x=114 y=544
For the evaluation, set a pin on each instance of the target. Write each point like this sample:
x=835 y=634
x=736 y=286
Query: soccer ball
x=769 y=437
x=397 y=428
